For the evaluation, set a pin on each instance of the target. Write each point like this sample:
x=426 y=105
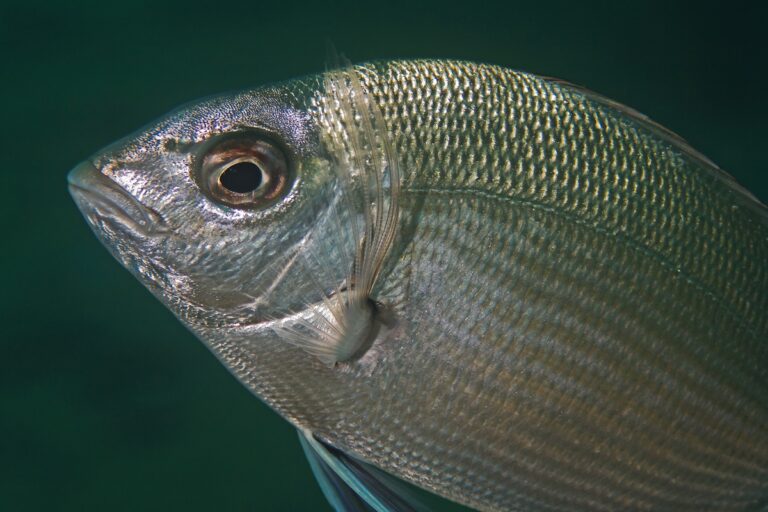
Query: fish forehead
x=279 y=110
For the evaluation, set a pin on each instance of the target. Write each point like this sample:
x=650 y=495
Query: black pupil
x=241 y=178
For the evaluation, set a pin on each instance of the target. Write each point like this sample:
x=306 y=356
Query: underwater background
x=106 y=401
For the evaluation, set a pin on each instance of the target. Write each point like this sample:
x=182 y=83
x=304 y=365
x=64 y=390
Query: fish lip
x=94 y=192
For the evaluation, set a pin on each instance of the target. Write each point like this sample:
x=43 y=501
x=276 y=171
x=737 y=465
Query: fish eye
x=244 y=171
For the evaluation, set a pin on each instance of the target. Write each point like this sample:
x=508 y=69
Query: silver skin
x=232 y=276
x=198 y=256
x=588 y=338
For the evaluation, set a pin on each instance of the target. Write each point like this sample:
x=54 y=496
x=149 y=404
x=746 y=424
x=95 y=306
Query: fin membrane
x=350 y=485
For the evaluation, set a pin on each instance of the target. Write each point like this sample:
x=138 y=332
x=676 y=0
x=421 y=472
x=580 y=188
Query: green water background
x=106 y=401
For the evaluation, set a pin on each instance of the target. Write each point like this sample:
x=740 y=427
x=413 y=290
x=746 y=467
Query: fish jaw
x=101 y=199
x=130 y=230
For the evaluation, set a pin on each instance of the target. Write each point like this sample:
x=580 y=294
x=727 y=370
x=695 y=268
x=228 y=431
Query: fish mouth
x=101 y=198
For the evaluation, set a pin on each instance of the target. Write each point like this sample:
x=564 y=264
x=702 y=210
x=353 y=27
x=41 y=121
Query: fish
x=502 y=288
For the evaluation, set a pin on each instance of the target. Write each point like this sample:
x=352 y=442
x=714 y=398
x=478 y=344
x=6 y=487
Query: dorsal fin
x=674 y=140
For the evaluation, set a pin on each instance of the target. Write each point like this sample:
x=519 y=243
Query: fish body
x=504 y=289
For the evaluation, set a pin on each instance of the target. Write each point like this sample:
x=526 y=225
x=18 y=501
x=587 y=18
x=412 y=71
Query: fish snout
x=100 y=198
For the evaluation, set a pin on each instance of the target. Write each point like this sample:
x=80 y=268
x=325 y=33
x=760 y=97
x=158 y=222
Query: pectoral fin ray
x=367 y=173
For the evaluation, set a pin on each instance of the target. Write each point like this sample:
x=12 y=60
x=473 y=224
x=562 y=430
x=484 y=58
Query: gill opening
x=365 y=219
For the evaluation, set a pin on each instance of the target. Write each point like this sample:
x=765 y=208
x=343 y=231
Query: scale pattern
x=583 y=306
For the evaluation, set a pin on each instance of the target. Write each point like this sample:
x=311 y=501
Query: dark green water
x=106 y=402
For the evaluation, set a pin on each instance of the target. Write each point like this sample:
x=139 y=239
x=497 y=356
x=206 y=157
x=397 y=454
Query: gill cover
x=365 y=213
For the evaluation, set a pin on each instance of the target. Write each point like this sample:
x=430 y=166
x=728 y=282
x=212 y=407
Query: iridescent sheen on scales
x=502 y=288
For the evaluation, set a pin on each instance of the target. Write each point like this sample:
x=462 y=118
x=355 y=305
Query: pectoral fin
x=350 y=485
x=366 y=211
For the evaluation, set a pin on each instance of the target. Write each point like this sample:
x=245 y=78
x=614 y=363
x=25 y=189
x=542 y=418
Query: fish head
x=263 y=220
x=216 y=207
